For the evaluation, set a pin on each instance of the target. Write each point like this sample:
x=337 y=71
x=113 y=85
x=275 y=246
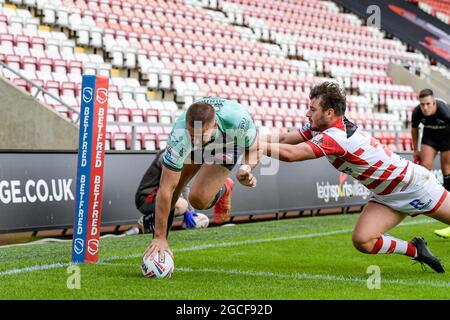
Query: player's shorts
x=437 y=141
x=423 y=195
x=225 y=157
x=145 y=202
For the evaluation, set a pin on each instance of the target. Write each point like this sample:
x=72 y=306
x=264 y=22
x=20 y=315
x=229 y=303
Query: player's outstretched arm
x=168 y=182
x=291 y=137
x=250 y=160
x=287 y=152
x=415 y=137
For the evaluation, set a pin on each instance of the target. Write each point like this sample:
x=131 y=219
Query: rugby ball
x=157 y=268
x=201 y=220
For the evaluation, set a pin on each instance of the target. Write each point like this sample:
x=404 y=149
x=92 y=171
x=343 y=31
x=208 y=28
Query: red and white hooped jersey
x=355 y=152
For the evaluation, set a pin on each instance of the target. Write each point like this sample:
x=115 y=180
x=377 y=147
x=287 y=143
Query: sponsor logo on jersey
x=317 y=139
x=243 y=127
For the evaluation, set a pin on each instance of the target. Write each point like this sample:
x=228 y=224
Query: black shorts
x=226 y=157
x=438 y=142
x=145 y=202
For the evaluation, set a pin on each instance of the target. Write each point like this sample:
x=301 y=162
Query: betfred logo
x=78 y=246
x=102 y=95
x=93 y=246
x=87 y=94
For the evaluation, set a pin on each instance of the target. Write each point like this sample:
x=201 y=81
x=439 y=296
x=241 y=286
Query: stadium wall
x=30 y=125
x=37 y=189
x=408 y=23
x=440 y=82
x=402 y=76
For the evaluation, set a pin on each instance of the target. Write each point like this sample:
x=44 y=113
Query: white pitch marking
x=34 y=268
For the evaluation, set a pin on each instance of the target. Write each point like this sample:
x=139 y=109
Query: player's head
x=427 y=102
x=327 y=103
x=201 y=123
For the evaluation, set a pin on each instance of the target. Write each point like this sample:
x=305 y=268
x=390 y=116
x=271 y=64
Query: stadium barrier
x=40 y=90
x=37 y=189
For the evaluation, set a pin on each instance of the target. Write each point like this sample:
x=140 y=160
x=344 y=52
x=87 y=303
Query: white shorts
x=424 y=194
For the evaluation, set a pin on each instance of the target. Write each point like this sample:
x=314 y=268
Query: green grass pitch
x=307 y=258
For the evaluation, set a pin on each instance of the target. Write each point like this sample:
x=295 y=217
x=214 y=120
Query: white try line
x=298 y=276
x=199 y=247
x=34 y=268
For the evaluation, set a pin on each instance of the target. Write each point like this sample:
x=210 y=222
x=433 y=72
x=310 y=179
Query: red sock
x=388 y=244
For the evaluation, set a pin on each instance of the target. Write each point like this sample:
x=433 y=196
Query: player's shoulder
x=179 y=133
x=441 y=102
x=416 y=111
x=442 y=105
x=341 y=129
x=180 y=122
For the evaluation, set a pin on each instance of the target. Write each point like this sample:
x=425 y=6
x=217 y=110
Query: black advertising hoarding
x=408 y=23
x=37 y=190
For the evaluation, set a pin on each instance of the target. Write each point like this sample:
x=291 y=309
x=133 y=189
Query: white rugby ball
x=156 y=268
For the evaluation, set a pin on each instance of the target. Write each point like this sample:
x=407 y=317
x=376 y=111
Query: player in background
x=399 y=187
x=146 y=194
x=205 y=142
x=434 y=114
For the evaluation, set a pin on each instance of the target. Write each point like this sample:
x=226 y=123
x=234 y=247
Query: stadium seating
x=263 y=54
x=438 y=8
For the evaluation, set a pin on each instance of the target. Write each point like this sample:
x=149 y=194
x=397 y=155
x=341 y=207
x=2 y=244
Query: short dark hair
x=425 y=93
x=333 y=97
x=200 y=111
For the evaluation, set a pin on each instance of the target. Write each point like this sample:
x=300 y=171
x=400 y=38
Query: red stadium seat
x=119 y=141
x=161 y=141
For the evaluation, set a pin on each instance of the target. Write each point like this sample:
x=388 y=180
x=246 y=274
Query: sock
x=218 y=196
x=447 y=182
x=388 y=244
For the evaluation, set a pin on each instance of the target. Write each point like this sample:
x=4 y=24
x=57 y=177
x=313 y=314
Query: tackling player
x=205 y=142
x=399 y=187
x=434 y=114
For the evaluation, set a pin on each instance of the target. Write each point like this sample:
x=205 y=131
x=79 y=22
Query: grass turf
x=308 y=258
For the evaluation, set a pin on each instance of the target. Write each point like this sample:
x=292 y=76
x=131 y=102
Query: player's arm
x=246 y=137
x=252 y=156
x=292 y=137
x=445 y=112
x=172 y=164
x=415 y=137
x=168 y=183
x=288 y=153
x=415 y=134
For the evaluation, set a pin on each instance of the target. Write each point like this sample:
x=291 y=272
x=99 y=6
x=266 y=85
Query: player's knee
x=362 y=243
x=198 y=202
x=427 y=164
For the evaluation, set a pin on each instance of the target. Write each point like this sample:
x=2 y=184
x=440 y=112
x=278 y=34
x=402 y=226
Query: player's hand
x=416 y=157
x=246 y=178
x=157 y=245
